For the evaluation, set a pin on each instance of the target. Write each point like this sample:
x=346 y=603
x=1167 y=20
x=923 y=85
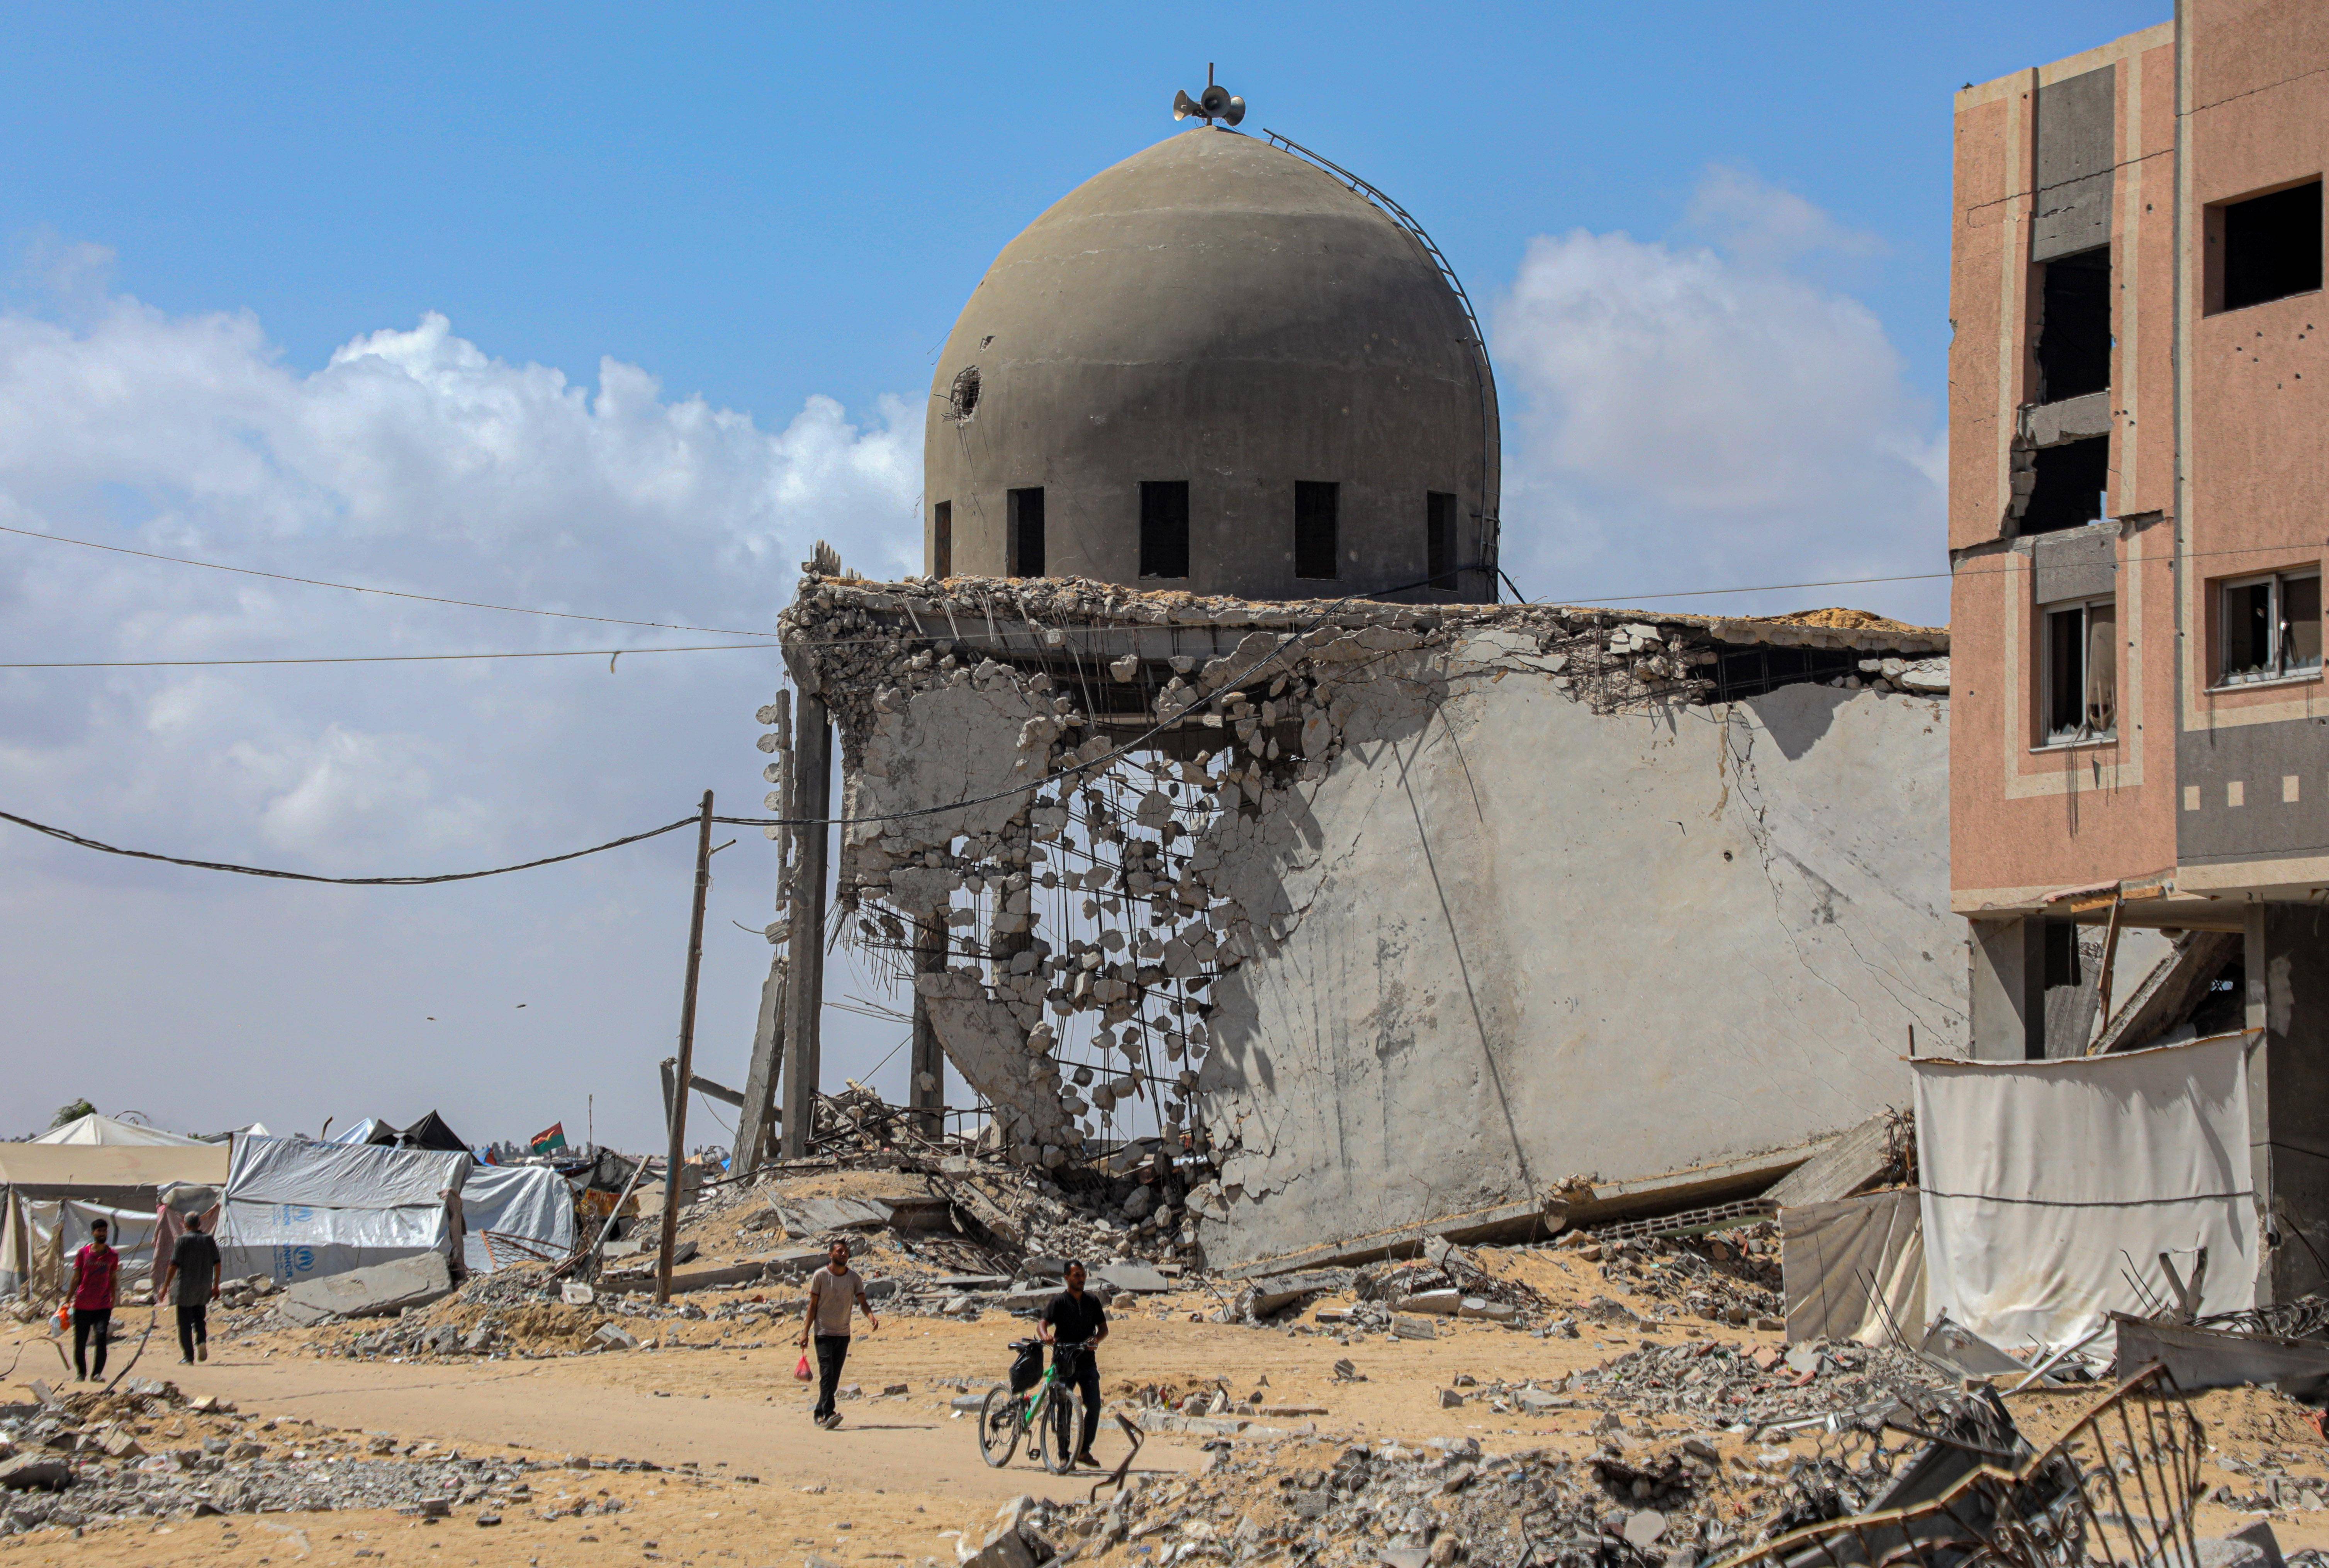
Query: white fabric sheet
x=2044 y=1184
x=297 y=1170
x=293 y=1241
x=1854 y=1268
x=530 y=1201
x=95 y=1129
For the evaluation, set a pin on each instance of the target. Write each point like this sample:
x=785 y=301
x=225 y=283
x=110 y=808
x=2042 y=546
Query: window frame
x=1016 y=530
x=1442 y=526
x=2050 y=736
x=1156 y=543
x=2276 y=671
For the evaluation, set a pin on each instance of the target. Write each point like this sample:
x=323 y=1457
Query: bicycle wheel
x=998 y=1425
x=1061 y=1423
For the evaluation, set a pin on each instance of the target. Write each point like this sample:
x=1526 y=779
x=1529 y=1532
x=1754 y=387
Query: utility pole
x=676 y=1155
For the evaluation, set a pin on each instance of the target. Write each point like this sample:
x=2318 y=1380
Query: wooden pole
x=676 y=1155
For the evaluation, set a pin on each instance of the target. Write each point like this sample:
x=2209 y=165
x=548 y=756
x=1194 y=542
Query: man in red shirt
x=95 y=1270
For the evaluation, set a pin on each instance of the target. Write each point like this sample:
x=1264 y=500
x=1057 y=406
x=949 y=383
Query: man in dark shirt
x=1074 y=1318
x=194 y=1265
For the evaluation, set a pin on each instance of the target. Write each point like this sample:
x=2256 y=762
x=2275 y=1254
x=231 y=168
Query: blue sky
x=618 y=310
x=762 y=202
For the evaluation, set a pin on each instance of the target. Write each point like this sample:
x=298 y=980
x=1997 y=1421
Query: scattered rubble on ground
x=146 y=1451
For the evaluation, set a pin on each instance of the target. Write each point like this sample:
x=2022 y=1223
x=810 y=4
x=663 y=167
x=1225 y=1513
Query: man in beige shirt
x=833 y=1292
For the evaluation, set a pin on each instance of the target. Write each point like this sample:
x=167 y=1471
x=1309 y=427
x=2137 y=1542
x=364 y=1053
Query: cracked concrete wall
x=1532 y=941
x=1421 y=913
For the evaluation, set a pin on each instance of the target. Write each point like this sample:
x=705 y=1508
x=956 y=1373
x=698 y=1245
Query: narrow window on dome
x=1440 y=539
x=1164 y=528
x=1315 y=505
x=942 y=540
x=1026 y=508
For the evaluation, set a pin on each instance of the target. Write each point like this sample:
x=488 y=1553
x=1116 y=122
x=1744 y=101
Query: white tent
x=95 y=1129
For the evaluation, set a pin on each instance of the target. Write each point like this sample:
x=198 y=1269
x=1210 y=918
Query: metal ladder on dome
x=1478 y=345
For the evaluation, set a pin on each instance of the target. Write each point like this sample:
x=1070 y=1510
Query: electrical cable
x=84 y=843
x=573 y=653
x=385 y=593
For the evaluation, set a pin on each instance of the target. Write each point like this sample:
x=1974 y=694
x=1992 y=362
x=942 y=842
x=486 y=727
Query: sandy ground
x=902 y=1473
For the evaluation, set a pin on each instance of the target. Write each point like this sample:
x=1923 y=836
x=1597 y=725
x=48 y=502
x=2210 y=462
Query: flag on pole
x=549 y=1140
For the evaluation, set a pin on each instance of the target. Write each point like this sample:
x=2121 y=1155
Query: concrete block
x=1138 y=1278
x=379 y=1291
x=612 y=1337
x=1439 y=1303
x=35 y=1472
x=1413 y=1328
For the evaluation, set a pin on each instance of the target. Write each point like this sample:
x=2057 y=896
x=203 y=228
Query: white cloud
x=416 y=460
x=1696 y=417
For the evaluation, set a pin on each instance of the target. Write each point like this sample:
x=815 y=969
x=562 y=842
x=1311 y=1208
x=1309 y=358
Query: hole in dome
x=962 y=398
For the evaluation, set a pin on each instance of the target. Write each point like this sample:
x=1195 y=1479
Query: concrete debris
x=83 y=1466
x=378 y=1291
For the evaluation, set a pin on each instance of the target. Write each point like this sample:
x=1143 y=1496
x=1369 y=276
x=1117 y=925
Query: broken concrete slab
x=1854 y=1160
x=1439 y=1303
x=1139 y=1279
x=2201 y=1358
x=35 y=1472
x=1275 y=1292
x=378 y=1291
x=1966 y=1351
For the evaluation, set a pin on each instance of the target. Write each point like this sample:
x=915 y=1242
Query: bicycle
x=1037 y=1398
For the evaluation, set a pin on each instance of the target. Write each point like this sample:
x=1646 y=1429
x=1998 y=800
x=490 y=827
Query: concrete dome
x=1220 y=314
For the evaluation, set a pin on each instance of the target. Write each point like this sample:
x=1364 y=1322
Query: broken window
x=1440 y=539
x=2271 y=627
x=1314 y=505
x=1164 y=528
x=1025 y=509
x=2081 y=671
x=2265 y=248
x=2074 y=332
x=2071 y=479
x=942 y=539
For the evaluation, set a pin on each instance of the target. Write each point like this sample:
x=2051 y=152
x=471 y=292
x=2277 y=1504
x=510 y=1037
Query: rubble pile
x=144 y=1450
x=1732 y=1278
x=1445 y=1502
x=1728 y=1385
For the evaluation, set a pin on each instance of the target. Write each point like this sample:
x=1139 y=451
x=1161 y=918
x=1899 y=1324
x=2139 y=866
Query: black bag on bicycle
x=1027 y=1368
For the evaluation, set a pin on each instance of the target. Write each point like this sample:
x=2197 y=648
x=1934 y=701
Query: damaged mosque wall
x=1408 y=916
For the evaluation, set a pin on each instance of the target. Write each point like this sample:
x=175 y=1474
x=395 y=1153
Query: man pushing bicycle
x=1073 y=1325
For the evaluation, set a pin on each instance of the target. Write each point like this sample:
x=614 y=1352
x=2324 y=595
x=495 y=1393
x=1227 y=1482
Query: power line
x=384 y=592
x=571 y=653
x=85 y=843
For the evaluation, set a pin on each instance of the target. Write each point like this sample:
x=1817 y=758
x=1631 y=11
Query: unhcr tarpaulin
x=299 y=1210
x=2044 y=1183
x=533 y=1203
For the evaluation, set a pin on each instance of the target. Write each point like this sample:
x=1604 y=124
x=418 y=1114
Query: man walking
x=96 y=1269
x=194 y=1265
x=1076 y=1319
x=833 y=1291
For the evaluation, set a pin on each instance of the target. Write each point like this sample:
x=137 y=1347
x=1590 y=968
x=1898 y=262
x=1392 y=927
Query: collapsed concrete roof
x=1407 y=914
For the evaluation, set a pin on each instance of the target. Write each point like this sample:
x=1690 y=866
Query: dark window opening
x=2062 y=955
x=2224 y=1005
x=942 y=540
x=1749 y=671
x=2081 y=673
x=2271 y=628
x=1026 y=520
x=1164 y=528
x=1315 y=505
x=2074 y=335
x=1440 y=539
x=2270 y=247
x=2071 y=479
